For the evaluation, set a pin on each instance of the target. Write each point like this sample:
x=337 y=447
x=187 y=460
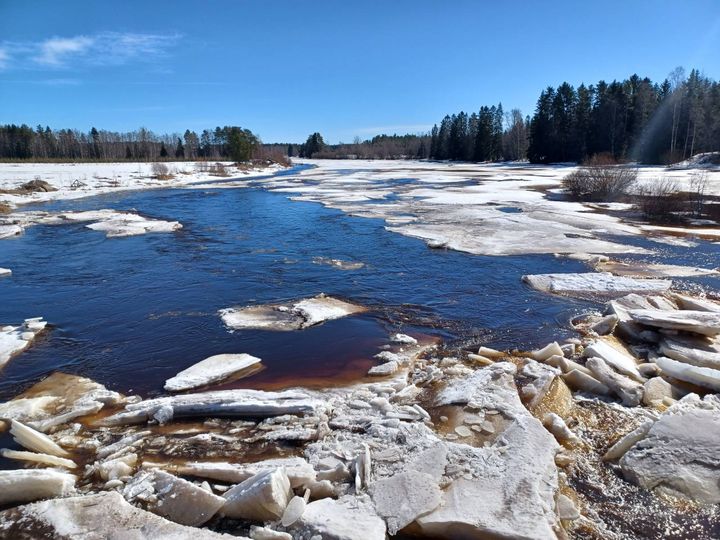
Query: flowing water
x=132 y=312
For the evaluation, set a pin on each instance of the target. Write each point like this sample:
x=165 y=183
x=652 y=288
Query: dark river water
x=132 y=312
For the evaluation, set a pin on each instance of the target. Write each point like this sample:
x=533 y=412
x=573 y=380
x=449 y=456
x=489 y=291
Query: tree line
x=630 y=120
x=25 y=143
x=634 y=119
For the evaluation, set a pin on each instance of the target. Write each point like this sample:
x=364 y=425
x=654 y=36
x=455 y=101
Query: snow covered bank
x=112 y=222
x=77 y=180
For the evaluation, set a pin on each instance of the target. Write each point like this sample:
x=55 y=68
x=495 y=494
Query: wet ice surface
x=132 y=312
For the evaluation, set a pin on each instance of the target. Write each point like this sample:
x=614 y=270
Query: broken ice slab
x=594 y=284
x=213 y=369
x=280 y=317
x=27 y=485
x=262 y=497
x=58 y=399
x=298 y=470
x=699 y=322
x=701 y=376
x=173 y=498
x=105 y=515
x=236 y=403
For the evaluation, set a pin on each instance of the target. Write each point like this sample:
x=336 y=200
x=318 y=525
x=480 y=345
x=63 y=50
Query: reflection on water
x=132 y=312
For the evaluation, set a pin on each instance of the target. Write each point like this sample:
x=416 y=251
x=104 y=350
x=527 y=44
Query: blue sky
x=285 y=68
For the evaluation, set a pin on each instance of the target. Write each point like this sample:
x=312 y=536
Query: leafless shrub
x=600 y=180
x=698 y=191
x=160 y=171
x=661 y=200
x=218 y=170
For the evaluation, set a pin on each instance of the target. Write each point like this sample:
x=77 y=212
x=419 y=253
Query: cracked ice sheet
x=465 y=216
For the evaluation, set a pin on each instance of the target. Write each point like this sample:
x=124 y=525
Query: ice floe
x=594 y=283
x=15 y=339
x=296 y=316
x=213 y=369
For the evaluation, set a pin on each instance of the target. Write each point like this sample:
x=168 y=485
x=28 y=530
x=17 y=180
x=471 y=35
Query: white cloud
x=101 y=49
x=57 y=51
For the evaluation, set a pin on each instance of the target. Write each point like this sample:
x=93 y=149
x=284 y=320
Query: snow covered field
x=101 y=178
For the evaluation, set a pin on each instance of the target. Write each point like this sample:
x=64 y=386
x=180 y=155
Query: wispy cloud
x=101 y=49
x=57 y=51
x=402 y=128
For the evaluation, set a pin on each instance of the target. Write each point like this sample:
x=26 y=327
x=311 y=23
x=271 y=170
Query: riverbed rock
x=94 y=517
x=173 y=498
x=699 y=322
x=213 y=369
x=681 y=452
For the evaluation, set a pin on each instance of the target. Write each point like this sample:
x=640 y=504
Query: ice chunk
x=15 y=339
x=594 y=284
x=700 y=322
x=212 y=369
x=34 y=440
x=32 y=484
x=402 y=498
x=262 y=497
x=302 y=314
x=35 y=457
x=701 y=376
x=238 y=403
x=173 y=498
x=105 y=515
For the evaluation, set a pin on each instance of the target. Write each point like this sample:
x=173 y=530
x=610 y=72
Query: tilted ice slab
x=15 y=339
x=212 y=369
x=173 y=498
x=699 y=322
x=299 y=315
x=90 y=517
x=701 y=376
x=238 y=403
x=5 y=272
x=594 y=283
